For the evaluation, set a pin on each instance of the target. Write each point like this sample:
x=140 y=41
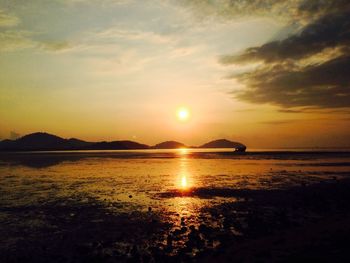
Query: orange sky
x=109 y=70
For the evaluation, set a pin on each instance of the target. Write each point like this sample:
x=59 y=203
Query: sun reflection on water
x=184 y=184
x=184 y=181
x=183 y=151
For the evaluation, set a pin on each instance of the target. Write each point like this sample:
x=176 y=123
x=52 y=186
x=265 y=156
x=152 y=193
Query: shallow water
x=175 y=190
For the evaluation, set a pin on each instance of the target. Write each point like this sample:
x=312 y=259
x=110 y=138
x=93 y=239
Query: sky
x=265 y=73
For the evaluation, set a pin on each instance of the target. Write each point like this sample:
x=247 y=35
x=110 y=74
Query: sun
x=183 y=114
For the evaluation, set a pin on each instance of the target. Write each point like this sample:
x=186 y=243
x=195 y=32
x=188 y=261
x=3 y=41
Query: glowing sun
x=183 y=114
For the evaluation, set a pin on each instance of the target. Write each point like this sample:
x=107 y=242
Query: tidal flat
x=184 y=205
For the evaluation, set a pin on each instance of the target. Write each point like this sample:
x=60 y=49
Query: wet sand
x=110 y=209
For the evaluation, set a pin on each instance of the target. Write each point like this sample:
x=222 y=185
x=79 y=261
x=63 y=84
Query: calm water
x=174 y=187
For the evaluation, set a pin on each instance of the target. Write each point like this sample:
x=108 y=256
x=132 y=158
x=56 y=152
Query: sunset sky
x=265 y=73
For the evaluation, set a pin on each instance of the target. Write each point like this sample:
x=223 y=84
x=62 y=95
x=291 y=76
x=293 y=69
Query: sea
x=149 y=205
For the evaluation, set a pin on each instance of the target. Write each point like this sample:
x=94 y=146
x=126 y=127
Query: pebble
x=183 y=229
x=177 y=232
x=169 y=240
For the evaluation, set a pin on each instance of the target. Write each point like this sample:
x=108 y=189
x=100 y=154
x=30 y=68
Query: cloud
x=279 y=122
x=101 y=2
x=314 y=9
x=18 y=40
x=327 y=32
x=116 y=33
x=56 y=46
x=237 y=8
x=313 y=110
x=8 y=20
x=14 y=40
x=301 y=11
x=10 y=38
x=310 y=68
x=325 y=85
x=290 y=111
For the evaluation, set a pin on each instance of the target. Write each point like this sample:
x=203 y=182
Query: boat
x=240 y=149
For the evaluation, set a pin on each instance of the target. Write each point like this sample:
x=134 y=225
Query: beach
x=183 y=205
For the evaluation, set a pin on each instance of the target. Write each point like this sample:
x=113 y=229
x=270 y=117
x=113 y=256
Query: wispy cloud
x=116 y=33
x=300 y=11
x=53 y=46
x=279 y=122
x=15 y=40
x=10 y=38
x=8 y=20
x=317 y=110
x=290 y=111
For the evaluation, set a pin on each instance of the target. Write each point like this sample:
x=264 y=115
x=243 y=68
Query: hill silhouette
x=118 y=145
x=169 y=145
x=223 y=143
x=41 y=141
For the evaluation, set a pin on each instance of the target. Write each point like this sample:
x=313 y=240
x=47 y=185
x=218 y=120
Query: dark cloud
x=325 y=85
x=327 y=32
x=302 y=11
x=308 y=69
x=314 y=8
x=316 y=110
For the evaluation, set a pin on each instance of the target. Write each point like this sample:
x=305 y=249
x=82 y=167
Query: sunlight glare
x=184 y=184
x=182 y=114
x=183 y=151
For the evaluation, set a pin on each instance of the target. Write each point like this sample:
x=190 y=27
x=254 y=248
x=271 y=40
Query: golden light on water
x=183 y=151
x=184 y=183
x=183 y=178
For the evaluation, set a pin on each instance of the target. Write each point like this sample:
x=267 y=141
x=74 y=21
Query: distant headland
x=41 y=141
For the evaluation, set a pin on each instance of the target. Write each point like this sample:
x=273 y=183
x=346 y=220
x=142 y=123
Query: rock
x=204 y=229
x=134 y=250
x=183 y=229
x=169 y=240
x=177 y=232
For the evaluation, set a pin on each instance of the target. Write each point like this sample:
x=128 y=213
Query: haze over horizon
x=267 y=74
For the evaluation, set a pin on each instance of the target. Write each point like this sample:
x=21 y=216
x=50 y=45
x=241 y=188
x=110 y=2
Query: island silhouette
x=42 y=141
x=169 y=145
